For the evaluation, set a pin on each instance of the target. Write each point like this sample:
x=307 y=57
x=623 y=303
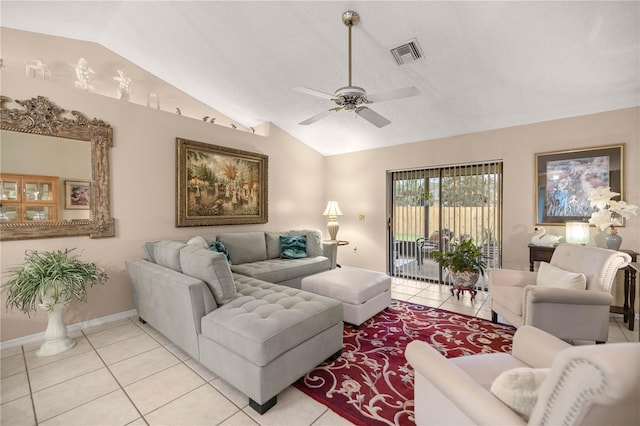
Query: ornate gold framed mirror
x=44 y=195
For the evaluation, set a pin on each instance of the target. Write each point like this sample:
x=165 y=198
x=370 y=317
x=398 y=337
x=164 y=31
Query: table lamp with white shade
x=333 y=211
x=577 y=232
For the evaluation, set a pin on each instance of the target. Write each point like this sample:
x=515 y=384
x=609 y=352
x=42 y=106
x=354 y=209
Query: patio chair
x=426 y=246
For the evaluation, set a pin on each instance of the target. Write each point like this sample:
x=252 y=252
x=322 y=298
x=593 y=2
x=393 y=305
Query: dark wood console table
x=543 y=254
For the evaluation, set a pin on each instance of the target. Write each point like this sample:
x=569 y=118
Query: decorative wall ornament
x=83 y=74
x=153 y=97
x=217 y=185
x=36 y=68
x=124 y=86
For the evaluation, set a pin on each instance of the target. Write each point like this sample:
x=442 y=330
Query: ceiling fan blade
x=393 y=94
x=372 y=117
x=316 y=117
x=314 y=92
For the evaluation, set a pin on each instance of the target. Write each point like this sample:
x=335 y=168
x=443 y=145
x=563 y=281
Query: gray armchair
x=568 y=314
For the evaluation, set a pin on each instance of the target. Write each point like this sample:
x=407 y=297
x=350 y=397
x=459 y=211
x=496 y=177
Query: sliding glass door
x=431 y=207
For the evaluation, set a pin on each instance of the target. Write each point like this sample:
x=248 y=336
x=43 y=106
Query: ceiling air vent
x=406 y=53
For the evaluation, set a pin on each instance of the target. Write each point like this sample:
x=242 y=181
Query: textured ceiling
x=486 y=64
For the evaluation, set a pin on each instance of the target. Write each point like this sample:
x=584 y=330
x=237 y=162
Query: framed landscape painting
x=218 y=185
x=565 y=179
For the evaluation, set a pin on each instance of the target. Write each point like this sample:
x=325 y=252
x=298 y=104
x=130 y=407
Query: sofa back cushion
x=314 y=241
x=165 y=253
x=273 y=243
x=244 y=247
x=212 y=268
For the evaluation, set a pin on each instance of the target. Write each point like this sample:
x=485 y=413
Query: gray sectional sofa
x=258 y=336
x=258 y=255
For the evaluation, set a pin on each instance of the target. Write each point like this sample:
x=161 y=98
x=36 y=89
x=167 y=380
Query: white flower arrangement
x=601 y=198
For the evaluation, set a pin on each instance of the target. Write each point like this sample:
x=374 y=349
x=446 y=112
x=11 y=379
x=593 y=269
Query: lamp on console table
x=333 y=211
x=577 y=232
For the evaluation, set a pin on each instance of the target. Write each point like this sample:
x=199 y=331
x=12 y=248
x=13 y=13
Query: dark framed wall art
x=218 y=185
x=565 y=179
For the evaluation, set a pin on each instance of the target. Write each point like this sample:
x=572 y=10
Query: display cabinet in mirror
x=51 y=159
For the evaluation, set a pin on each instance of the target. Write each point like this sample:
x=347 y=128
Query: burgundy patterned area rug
x=372 y=383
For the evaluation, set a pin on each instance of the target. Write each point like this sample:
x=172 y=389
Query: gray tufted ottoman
x=363 y=293
x=270 y=336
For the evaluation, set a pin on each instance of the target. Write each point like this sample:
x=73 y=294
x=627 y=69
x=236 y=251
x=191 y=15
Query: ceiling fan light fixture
x=353 y=98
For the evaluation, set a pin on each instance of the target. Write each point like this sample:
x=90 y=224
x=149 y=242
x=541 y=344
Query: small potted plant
x=50 y=280
x=425 y=198
x=464 y=262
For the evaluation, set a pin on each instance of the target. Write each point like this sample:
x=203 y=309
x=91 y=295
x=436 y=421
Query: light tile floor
x=126 y=373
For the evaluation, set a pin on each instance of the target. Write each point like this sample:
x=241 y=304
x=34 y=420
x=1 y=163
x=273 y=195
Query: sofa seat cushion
x=278 y=270
x=266 y=320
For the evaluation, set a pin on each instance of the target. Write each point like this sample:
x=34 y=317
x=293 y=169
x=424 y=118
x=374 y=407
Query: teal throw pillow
x=220 y=248
x=293 y=247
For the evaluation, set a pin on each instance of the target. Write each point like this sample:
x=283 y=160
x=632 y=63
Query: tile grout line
x=114 y=378
x=26 y=370
x=206 y=382
x=73 y=408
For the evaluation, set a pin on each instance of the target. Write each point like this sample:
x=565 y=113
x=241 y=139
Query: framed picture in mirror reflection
x=77 y=195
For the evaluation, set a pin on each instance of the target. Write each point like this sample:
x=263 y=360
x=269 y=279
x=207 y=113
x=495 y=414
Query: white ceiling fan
x=354 y=98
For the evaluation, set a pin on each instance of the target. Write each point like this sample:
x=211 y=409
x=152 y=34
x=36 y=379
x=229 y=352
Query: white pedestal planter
x=55 y=338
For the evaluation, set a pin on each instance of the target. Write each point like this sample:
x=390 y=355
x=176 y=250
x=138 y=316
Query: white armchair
x=594 y=384
x=568 y=313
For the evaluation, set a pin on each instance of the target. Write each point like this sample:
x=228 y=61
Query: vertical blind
x=432 y=206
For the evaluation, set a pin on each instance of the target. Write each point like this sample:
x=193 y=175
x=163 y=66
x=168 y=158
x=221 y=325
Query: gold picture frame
x=218 y=185
x=564 y=180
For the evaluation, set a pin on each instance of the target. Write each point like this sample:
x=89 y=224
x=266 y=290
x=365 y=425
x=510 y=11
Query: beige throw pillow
x=518 y=388
x=198 y=241
x=552 y=276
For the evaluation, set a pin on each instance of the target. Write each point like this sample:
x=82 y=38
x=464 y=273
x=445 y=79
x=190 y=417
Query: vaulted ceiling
x=486 y=65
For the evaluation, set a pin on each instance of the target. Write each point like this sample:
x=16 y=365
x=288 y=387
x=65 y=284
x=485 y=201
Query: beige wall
x=357 y=180
x=300 y=182
x=143 y=192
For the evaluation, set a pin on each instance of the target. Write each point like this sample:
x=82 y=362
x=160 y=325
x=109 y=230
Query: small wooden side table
x=339 y=243
x=543 y=254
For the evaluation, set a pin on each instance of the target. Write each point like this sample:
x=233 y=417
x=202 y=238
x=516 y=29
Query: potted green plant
x=50 y=280
x=464 y=262
x=425 y=198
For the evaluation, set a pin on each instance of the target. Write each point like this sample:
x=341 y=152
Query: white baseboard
x=70 y=328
